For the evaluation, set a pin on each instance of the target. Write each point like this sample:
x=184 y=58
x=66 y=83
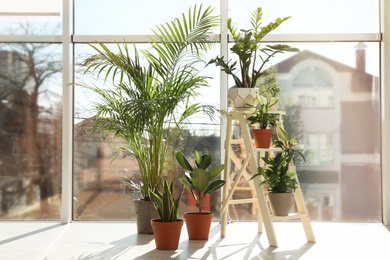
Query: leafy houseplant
x=250 y=54
x=167 y=229
x=264 y=119
x=278 y=172
x=165 y=202
x=150 y=96
x=200 y=181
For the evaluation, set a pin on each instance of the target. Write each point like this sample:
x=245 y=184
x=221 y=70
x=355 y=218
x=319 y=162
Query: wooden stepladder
x=246 y=168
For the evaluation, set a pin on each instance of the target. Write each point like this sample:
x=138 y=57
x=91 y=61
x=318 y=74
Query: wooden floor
x=83 y=240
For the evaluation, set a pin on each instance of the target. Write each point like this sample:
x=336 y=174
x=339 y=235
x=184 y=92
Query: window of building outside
x=328 y=90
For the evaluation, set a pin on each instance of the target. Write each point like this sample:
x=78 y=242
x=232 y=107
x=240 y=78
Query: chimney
x=361 y=56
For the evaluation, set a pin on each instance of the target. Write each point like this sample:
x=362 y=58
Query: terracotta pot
x=198 y=225
x=192 y=202
x=145 y=212
x=281 y=203
x=166 y=234
x=243 y=98
x=262 y=137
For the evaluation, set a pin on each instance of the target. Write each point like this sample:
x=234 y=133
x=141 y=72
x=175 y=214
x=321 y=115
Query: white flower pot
x=243 y=98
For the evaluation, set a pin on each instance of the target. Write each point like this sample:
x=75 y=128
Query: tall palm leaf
x=146 y=99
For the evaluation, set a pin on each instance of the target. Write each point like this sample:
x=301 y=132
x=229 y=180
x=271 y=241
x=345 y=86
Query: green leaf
x=215 y=185
x=182 y=160
x=200 y=179
x=216 y=171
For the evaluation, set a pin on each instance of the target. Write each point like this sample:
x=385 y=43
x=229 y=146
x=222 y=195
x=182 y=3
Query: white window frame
x=68 y=40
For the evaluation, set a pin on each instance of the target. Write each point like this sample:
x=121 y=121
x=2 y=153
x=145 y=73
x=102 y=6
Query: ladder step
x=290 y=216
x=242 y=201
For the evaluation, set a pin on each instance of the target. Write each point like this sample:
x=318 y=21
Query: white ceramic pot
x=243 y=98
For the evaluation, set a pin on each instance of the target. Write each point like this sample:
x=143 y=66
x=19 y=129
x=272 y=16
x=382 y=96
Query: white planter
x=243 y=98
x=281 y=203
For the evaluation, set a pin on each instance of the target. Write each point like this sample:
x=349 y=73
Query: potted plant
x=167 y=228
x=279 y=175
x=251 y=56
x=148 y=97
x=200 y=181
x=265 y=120
x=269 y=87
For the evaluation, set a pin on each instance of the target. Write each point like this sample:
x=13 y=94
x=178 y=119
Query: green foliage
x=293 y=125
x=150 y=96
x=268 y=84
x=165 y=202
x=276 y=173
x=261 y=115
x=251 y=54
x=198 y=180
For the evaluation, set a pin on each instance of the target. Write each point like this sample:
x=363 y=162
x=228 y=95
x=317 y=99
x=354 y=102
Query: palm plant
x=149 y=97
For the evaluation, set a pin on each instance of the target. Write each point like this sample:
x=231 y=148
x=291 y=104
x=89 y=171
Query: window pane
x=30 y=130
x=308 y=16
x=100 y=162
x=332 y=104
x=133 y=17
x=26 y=6
x=30 y=25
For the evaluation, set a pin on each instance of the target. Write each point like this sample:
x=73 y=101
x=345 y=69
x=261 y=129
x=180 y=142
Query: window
x=326 y=92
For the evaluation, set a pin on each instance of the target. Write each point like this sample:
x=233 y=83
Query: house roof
x=361 y=81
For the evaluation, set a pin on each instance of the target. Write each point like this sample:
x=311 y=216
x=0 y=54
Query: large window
x=330 y=92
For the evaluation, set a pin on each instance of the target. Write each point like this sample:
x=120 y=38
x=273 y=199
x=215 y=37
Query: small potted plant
x=279 y=174
x=200 y=181
x=264 y=120
x=251 y=56
x=167 y=228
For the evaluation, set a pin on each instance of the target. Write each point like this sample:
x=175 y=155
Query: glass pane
x=30 y=130
x=330 y=92
x=129 y=17
x=47 y=7
x=30 y=25
x=308 y=16
x=99 y=162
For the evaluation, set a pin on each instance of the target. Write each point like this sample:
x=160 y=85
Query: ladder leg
x=301 y=207
x=265 y=216
x=224 y=214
